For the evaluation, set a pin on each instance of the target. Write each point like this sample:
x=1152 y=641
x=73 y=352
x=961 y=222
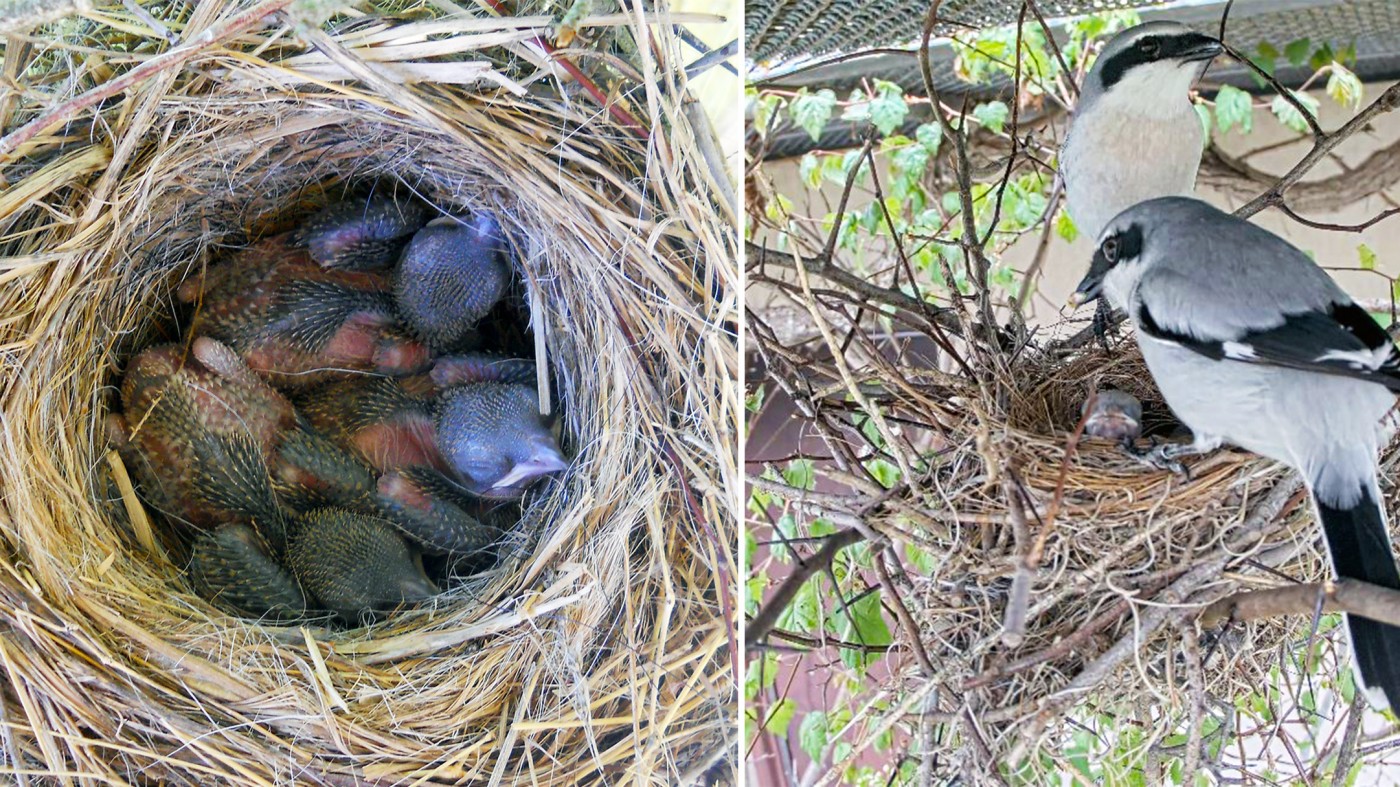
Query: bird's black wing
x=1343 y=340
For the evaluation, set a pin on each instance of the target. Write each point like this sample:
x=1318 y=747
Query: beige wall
x=1067 y=261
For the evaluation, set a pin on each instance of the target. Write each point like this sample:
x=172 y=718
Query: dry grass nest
x=1121 y=558
x=597 y=650
x=1116 y=559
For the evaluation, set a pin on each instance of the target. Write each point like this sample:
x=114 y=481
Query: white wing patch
x=1239 y=351
x=1360 y=359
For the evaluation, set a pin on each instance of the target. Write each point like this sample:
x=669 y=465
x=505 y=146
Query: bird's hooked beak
x=545 y=460
x=1091 y=286
x=1195 y=46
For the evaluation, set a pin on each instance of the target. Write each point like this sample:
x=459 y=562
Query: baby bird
x=197 y=431
x=299 y=324
x=355 y=565
x=313 y=472
x=1116 y=415
x=463 y=368
x=232 y=565
x=492 y=435
x=450 y=276
x=360 y=235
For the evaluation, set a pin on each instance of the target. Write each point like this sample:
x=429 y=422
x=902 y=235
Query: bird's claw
x=1159 y=457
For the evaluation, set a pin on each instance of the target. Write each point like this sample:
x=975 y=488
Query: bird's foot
x=1162 y=457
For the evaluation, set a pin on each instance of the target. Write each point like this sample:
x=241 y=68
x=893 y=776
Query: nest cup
x=596 y=648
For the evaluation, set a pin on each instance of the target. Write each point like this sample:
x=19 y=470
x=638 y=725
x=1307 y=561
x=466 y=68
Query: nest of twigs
x=596 y=649
x=1058 y=574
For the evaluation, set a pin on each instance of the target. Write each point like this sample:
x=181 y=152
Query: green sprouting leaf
x=992 y=115
x=804 y=613
x=865 y=624
x=1203 y=112
x=930 y=135
x=1321 y=57
x=920 y=560
x=1368 y=257
x=810 y=171
x=1348 y=55
x=1266 y=58
x=753 y=591
x=765 y=106
x=885 y=472
x=1296 y=51
x=1289 y=115
x=812 y=111
x=801 y=473
x=780 y=716
x=1064 y=227
x=884 y=740
x=812 y=734
x=821 y=526
x=1344 y=86
x=1233 y=108
x=888 y=109
x=762 y=674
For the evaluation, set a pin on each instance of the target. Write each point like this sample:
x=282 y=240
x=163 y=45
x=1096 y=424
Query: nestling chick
x=493 y=436
x=355 y=565
x=232 y=565
x=360 y=235
x=1116 y=415
x=197 y=432
x=425 y=506
x=463 y=368
x=386 y=421
x=450 y=276
x=299 y=324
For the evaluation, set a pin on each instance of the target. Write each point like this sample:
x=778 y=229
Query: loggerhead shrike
x=1252 y=343
x=1135 y=135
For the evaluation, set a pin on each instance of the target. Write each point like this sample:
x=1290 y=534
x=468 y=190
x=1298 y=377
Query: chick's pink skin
x=174 y=402
x=272 y=304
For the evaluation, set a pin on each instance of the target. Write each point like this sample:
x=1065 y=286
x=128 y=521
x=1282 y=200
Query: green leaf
x=888 y=109
x=1289 y=115
x=930 y=135
x=992 y=115
x=1233 y=108
x=762 y=674
x=810 y=171
x=1344 y=87
x=863 y=622
x=1064 y=227
x=779 y=716
x=1296 y=51
x=1203 y=112
x=1321 y=56
x=812 y=111
x=804 y=613
x=919 y=558
x=887 y=473
x=1368 y=257
x=801 y=473
x=765 y=106
x=821 y=526
x=812 y=734
x=1266 y=50
x=753 y=591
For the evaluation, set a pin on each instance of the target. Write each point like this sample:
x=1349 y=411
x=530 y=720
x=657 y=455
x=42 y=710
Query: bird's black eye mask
x=1186 y=47
x=1122 y=245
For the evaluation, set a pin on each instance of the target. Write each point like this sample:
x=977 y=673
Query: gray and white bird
x=1135 y=135
x=1253 y=344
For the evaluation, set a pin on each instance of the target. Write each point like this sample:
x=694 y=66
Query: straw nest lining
x=597 y=649
x=1128 y=553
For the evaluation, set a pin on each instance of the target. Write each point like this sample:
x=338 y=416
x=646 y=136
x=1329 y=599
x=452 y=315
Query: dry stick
x=901 y=612
x=1195 y=678
x=1385 y=102
x=767 y=617
x=169 y=59
x=1346 y=755
x=1054 y=47
x=1013 y=627
x=1351 y=596
x=1153 y=618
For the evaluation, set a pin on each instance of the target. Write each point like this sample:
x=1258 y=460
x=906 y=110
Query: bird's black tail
x=1360 y=548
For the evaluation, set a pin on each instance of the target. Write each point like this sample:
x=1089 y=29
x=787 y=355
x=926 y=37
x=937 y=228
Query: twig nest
x=558 y=664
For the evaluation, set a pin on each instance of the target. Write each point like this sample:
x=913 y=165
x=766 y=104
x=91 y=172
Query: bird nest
x=1033 y=574
x=596 y=649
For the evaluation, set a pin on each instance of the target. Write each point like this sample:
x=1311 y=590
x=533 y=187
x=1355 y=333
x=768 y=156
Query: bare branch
x=1343 y=595
x=768 y=614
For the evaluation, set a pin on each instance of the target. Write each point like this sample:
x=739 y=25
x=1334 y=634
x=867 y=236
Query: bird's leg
x=1164 y=456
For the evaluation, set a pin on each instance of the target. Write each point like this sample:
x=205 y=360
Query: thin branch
x=767 y=617
x=1343 y=595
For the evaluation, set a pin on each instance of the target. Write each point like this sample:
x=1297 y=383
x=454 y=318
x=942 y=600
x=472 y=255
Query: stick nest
x=597 y=648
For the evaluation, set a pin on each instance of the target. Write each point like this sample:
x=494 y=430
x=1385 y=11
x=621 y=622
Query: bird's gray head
x=1138 y=237
x=1143 y=65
